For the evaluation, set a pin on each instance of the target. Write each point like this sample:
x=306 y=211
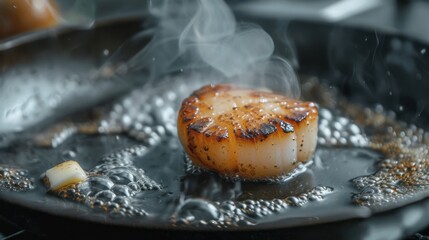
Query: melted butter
x=13 y=179
x=405 y=170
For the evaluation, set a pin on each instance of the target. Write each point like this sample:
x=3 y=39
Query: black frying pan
x=342 y=57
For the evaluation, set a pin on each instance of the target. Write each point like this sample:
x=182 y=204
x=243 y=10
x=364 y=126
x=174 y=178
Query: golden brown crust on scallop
x=221 y=116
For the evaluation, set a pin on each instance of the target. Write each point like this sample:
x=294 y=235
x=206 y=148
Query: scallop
x=253 y=134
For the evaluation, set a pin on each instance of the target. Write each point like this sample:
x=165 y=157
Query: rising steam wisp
x=202 y=38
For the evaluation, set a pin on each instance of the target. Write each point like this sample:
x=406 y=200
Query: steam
x=220 y=43
x=204 y=37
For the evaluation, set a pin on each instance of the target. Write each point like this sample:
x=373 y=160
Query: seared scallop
x=250 y=133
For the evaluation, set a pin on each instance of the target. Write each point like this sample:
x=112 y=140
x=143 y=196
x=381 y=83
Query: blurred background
x=25 y=17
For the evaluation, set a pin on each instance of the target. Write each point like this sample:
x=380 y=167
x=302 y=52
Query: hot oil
x=137 y=168
x=403 y=172
x=15 y=179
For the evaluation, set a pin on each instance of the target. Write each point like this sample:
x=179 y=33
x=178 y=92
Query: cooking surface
x=341 y=155
x=332 y=167
x=325 y=186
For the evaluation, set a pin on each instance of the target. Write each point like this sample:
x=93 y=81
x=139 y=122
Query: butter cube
x=64 y=174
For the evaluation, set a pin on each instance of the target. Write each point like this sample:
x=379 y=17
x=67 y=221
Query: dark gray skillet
x=58 y=219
